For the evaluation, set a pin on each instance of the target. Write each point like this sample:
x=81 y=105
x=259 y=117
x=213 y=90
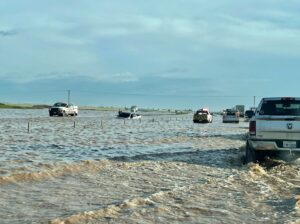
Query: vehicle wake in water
x=162 y=169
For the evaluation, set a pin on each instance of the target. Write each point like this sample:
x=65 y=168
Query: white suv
x=63 y=109
x=274 y=128
x=230 y=116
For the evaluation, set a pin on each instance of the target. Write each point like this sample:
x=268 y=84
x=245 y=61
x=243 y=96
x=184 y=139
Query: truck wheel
x=260 y=155
x=250 y=154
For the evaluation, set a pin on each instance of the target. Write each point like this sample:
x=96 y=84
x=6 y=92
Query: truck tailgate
x=278 y=128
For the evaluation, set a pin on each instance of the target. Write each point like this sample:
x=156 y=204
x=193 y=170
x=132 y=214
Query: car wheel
x=250 y=154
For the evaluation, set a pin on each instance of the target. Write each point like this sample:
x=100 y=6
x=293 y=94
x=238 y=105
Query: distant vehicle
x=202 y=116
x=241 y=110
x=230 y=116
x=63 y=109
x=274 y=128
x=249 y=114
x=129 y=115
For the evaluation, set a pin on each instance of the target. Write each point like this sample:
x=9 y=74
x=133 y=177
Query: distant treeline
x=99 y=108
x=22 y=106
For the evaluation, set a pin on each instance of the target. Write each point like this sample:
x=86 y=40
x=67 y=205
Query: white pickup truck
x=274 y=129
x=63 y=109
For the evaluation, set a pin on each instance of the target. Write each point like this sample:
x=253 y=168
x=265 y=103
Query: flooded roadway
x=164 y=169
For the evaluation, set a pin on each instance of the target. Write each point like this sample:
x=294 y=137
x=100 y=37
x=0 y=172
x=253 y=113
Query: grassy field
x=44 y=106
x=98 y=108
x=22 y=106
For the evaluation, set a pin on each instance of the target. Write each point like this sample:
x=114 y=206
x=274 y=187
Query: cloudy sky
x=156 y=54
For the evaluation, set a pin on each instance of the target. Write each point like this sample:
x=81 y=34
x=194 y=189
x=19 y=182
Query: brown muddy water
x=164 y=169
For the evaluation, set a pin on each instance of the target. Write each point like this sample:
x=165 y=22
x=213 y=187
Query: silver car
x=230 y=116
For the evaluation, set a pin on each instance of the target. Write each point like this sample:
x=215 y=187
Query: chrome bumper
x=269 y=145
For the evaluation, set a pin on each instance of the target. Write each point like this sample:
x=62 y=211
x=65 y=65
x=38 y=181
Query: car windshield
x=280 y=107
x=60 y=105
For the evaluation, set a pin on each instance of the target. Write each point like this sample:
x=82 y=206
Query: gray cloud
x=153 y=44
x=6 y=33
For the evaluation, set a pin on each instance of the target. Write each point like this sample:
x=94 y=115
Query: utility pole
x=254 y=98
x=69 y=93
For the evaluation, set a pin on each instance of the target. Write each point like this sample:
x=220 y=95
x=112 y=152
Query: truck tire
x=250 y=156
x=260 y=155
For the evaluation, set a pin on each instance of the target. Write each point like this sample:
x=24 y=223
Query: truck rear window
x=280 y=107
x=230 y=112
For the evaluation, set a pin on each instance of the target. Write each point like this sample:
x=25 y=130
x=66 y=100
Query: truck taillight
x=252 y=128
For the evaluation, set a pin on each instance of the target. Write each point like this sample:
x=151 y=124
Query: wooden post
x=28 y=128
x=74 y=124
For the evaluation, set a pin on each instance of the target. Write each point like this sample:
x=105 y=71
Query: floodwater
x=163 y=169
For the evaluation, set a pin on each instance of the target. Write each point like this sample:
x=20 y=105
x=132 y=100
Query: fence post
x=28 y=128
